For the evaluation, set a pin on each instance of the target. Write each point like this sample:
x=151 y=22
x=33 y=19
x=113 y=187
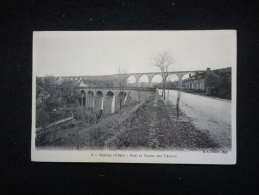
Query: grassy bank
x=103 y=133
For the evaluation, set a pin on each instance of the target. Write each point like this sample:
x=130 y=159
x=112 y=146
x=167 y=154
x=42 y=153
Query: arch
x=109 y=103
x=82 y=98
x=131 y=81
x=98 y=101
x=187 y=75
x=90 y=99
x=143 y=81
x=156 y=80
x=120 y=100
x=172 y=81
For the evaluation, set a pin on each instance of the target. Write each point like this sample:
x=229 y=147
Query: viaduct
x=150 y=75
x=110 y=99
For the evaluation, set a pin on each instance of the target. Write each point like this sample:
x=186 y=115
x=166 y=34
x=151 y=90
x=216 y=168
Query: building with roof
x=202 y=81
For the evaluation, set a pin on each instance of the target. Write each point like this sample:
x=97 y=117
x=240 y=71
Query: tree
x=163 y=61
x=68 y=91
x=177 y=103
x=169 y=80
x=121 y=82
x=141 y=87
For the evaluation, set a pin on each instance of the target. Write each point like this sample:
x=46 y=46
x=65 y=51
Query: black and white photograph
x=134 y=96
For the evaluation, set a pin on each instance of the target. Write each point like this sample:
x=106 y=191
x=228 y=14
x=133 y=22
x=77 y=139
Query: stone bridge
x=110 y=99
x=150 y=75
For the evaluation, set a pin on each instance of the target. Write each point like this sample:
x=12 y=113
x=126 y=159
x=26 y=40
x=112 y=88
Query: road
x=218 y=109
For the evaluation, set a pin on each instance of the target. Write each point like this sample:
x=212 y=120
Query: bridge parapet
x=118 y=88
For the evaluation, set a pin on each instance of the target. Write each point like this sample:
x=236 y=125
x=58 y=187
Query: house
x=202 y=81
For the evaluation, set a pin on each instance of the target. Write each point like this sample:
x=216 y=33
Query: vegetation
x=121 y=82
x=144 y=125
x=163 y=61
x=98 y=134
x=51 y=99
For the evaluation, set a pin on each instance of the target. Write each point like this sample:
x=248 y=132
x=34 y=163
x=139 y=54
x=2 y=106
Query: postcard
x=166 y=97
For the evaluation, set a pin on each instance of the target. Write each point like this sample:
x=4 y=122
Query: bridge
x=150 y=75
x=110 y=99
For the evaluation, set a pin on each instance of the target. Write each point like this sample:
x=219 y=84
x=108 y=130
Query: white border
x=178 y=157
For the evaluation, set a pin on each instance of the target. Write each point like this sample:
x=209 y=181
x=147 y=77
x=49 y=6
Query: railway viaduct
x=150 y=75
x=110 y=99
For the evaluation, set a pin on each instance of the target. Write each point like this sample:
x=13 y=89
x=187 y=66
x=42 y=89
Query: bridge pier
x=137 y=80
x=180 y=77
x=150 y=80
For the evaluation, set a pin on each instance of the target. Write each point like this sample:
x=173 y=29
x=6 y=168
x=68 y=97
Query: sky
x=78 y=53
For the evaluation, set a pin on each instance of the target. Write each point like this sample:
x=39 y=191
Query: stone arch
x=82 y=98
x=155 y=80
x=143 y=83
x=187 y=75
x=131 y=78
x=109 y=104
x=173 y=80
x=90 y=99
x=120 y=100
x=98 y=101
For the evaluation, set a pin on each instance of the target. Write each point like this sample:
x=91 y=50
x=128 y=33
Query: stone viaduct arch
x=82 y=97
x=99 y=100
x=107 y=100
x=150 y=76
x=120 y=100
x=90 y=99
x=137 y=76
